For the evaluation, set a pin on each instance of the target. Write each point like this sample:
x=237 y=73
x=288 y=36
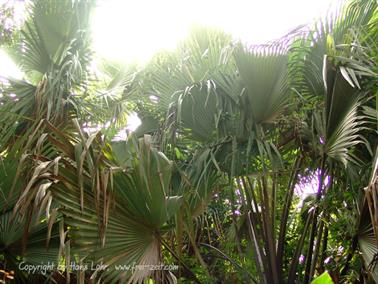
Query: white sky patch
x=133 y=31
x=133 y=122
x=309 y=185
x=7 y=67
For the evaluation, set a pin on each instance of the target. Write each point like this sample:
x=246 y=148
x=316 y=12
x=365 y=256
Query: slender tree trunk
x=254 y=233
x=307 y=277
x=324 y=245
x=269 y=234
x=285 y=213
x=316 y=250
x=350 y=256
x=259 y=252
x=298 y=250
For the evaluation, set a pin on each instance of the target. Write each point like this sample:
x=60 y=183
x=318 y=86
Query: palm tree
x=23 y=240
x=244 y=122
x=125 y=203
x=238 y=102
x=54 y=54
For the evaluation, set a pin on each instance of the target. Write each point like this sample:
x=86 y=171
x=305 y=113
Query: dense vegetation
x=212 y=179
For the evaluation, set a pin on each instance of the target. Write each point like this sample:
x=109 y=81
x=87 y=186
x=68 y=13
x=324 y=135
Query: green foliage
x=211 y=179
x=9 y=22
x=323 y=279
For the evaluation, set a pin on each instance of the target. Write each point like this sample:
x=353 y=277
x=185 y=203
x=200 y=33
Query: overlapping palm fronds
x=216 y=109
x=23 y=241
x=124 y=200
x=367 y=234
x=54 y=55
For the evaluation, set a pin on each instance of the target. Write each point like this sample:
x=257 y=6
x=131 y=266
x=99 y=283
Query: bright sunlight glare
x=133 y=122
x=7 y=67
x=133 y=31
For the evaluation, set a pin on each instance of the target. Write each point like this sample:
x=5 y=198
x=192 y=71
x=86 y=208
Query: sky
x=132 y=31
x=7 y=66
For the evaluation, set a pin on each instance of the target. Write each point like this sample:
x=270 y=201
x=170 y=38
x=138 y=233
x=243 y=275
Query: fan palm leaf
x=117 y=208
x=55 y=58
